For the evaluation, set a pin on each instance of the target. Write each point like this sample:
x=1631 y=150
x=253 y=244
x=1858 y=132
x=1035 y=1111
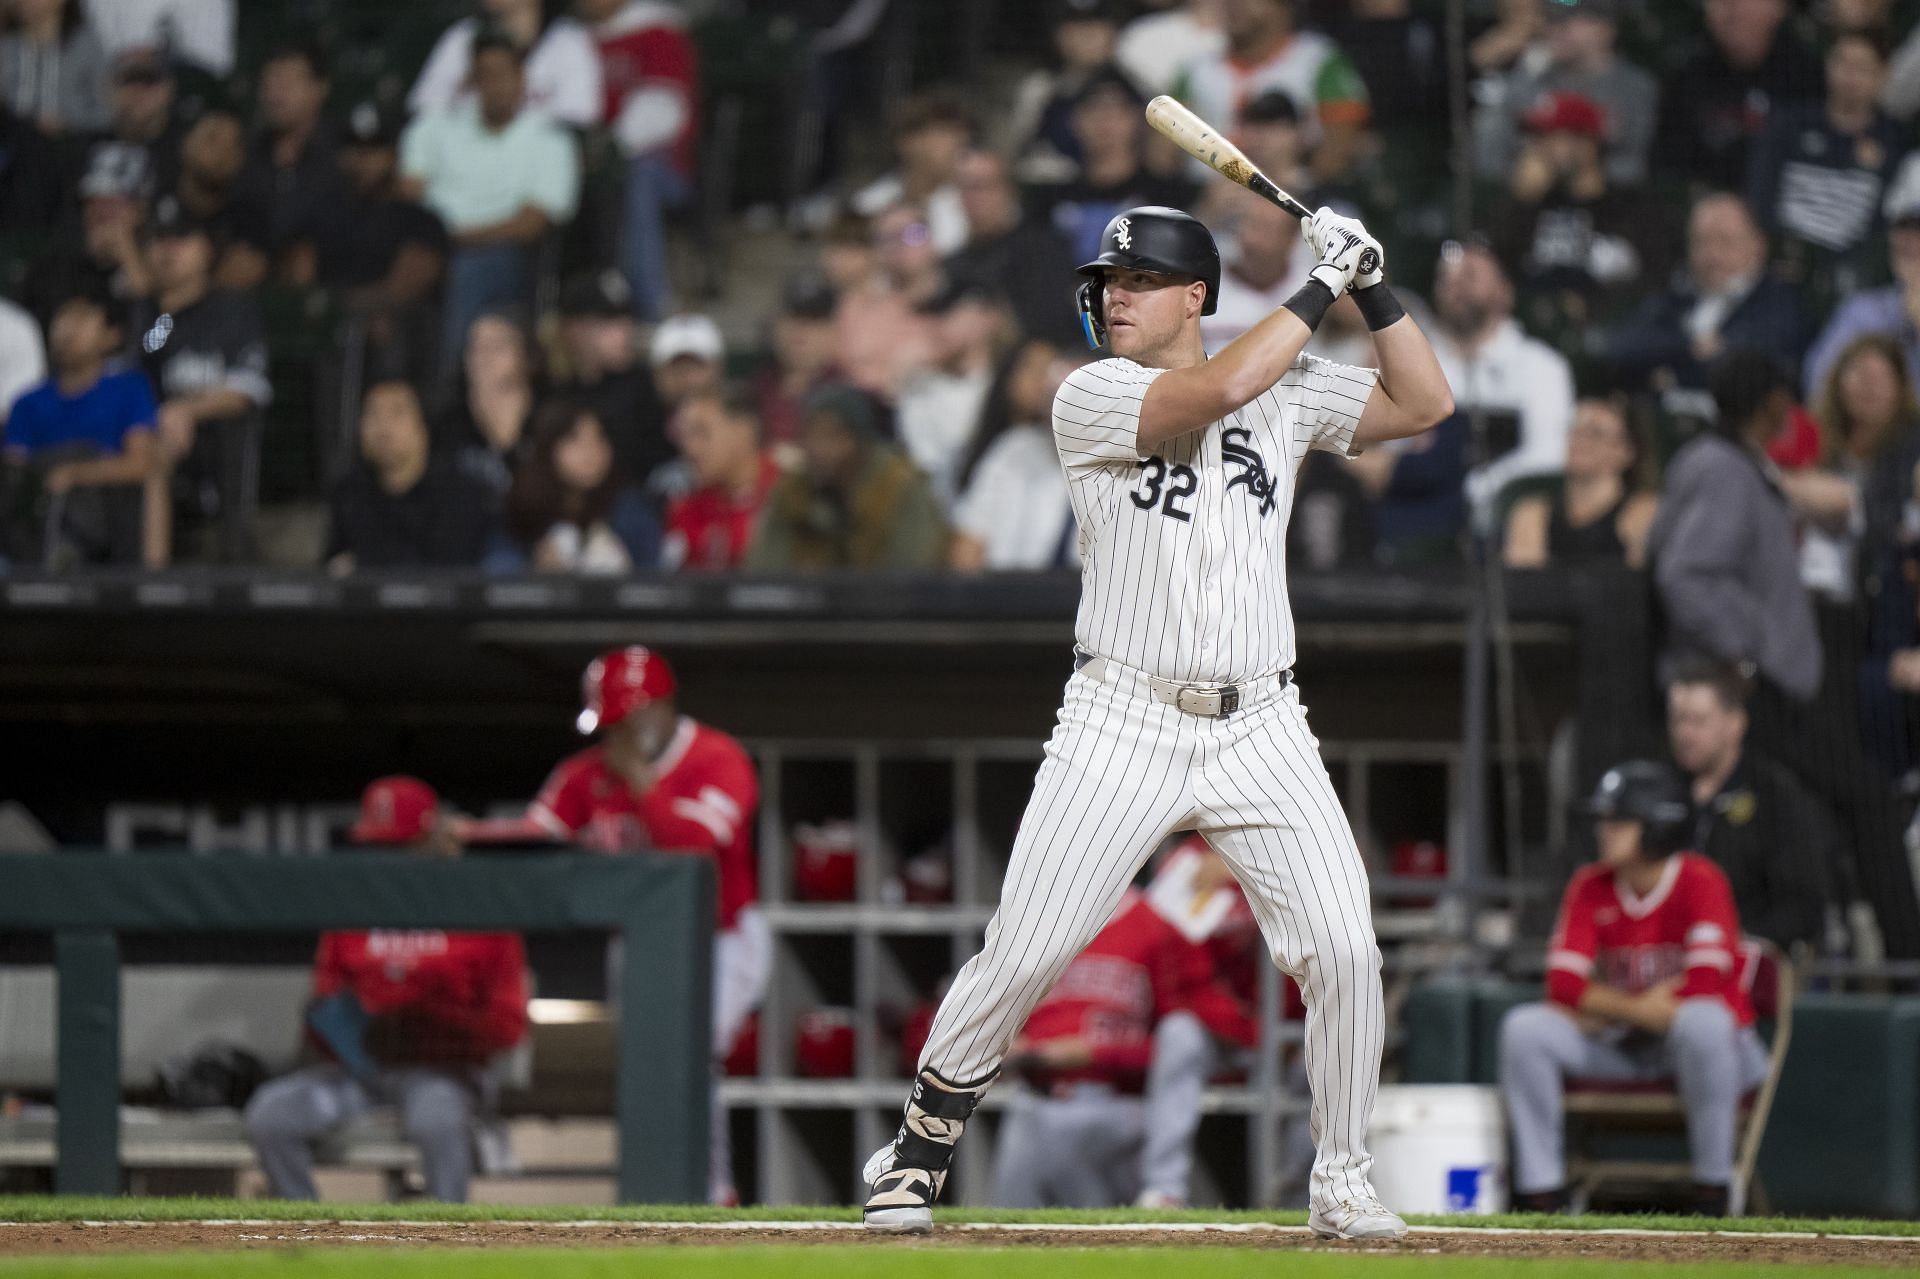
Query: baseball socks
x=907 y=1176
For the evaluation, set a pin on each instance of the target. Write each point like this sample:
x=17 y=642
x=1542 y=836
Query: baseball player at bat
x=1182 y=712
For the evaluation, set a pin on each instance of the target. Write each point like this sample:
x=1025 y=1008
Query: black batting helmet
x=1153 y=238
x=1651 y=793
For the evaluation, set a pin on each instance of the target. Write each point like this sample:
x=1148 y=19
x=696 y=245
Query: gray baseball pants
x=1077 y=1151
x=1711 y=1058
x=289 y=1114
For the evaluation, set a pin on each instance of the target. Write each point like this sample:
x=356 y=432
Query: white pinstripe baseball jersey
x=1184 y=550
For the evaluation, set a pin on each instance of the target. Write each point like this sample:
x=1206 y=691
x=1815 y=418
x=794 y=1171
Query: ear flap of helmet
x=1093 y=320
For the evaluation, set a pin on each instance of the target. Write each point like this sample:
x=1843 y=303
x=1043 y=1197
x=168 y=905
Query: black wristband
x=1378 y=306
x=1310 y=303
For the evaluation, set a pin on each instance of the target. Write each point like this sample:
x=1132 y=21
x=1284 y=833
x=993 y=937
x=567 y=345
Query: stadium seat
x=1595 y=1105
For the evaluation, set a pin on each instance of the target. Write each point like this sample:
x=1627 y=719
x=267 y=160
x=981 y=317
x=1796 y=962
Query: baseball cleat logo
x=1123 y=233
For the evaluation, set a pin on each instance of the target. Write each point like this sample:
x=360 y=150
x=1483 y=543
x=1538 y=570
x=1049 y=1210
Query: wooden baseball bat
x=1201 y=141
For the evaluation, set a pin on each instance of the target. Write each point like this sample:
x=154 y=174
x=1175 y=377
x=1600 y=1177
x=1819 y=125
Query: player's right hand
x=1349 y=256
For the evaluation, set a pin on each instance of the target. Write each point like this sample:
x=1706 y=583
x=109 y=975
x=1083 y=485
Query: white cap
x=694 y=335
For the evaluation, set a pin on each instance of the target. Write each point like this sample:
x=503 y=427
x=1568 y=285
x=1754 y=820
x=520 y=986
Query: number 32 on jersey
x=1153 y=484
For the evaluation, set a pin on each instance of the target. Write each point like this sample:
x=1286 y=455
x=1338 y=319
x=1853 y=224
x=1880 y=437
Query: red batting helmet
x=619 y=683
x=395 y=810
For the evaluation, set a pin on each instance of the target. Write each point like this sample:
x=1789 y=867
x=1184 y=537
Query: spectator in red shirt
x=1646 y=980
x=711 y=527
x=406 y=1018
x=652 y=79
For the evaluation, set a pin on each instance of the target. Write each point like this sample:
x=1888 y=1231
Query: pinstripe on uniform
x=1185 y=577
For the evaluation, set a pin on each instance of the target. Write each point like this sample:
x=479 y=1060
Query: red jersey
x=702 y=801
x=708 y=529
x=460 y=997
x=1137 y=970
x=1685 y=927
x=645 y=47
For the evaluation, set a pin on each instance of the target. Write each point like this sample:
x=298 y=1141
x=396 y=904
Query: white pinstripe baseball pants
x=1122 y=772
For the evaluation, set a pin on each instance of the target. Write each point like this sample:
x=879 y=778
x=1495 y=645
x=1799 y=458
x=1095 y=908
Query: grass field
x=62 y=1238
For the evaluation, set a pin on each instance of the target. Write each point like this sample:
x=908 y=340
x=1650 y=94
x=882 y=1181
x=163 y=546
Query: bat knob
x=1369 y=262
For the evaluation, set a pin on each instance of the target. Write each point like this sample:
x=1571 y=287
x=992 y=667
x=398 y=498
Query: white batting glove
x=1350 y=258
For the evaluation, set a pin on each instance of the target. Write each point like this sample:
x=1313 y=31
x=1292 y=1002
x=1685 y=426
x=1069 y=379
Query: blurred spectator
x=197 y=31
x=933 y=132
x=561 y=60
x=143 y=118
x=499 y=175
x=1169 y=37
x=1850 y=504
x=1901 y=96
x=1574 y=237
x=399 y=507
x=1399 y=56
x=712 y=526
x=1722 y=97
x=1417 y=492
x=1517 y=388
x=599 y=343
x=1039 y=128
x=104 y=255
x=1264 y=261
x=571 y=509
x=1007 y=251
x=849 y=258
x=23 y=360
x=381 y=253
x=1723 y=549
x=803 y=350
x=1014 y=512
x=1890 y=671
x=857 y=503
x=1333 y=517
x=1600 y=514
x=1265 y=50
x=1893 y=311
x=688 y=355
x=1271 y=136
x=878 y=334
x=206 y=355
x=293 y=167
x=1519 y=29
x=939 y=403
x=1819 y=171
x=209 y=190
x=1729 y=299
x=651 y=71
x=487 y=426
x=53 y=68
x=1108 y=120
x=410 y=1019
x=85 y=435
x=1753 y=818
x=1578 y=60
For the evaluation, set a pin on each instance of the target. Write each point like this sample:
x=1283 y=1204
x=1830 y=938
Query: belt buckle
x=1229 y=700
x=1209 y=703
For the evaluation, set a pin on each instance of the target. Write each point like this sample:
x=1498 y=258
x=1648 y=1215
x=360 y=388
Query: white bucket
x=1439 y=1148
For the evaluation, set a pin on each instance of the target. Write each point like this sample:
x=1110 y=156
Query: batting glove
x=1350 y=258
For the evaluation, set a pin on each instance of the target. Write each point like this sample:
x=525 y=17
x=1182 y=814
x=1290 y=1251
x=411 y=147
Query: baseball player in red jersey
x=659 y=781
x=409 y=1018
x=1075 y=1136
x=1646 y=979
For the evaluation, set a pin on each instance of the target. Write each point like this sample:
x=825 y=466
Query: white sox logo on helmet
x=1123 y=233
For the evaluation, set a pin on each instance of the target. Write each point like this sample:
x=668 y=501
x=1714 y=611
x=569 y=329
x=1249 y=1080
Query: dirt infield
x=84 y=1238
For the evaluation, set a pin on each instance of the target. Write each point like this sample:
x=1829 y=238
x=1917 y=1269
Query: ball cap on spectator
x=1275 y=106
x=395 y=810
x=620 y=682
x=694 y=335
x=115 y=169
x=603 y=295
x=1109 y=80
x=142 y=64
x=808 y=295
x=1566 y=113
x=1065 y=11
x=371 y=125
x=848 y=406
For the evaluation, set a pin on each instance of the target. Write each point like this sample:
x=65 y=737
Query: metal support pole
x=87 y=1085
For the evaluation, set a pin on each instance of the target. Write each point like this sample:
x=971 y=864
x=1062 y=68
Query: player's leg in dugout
x=436 y=1112
x=1114 y=784
x=1714 y=1061
x=1267 y=806
x=1184 y=1055
x=1077 y=1151
x=290 y=1113
x=1541 y=1047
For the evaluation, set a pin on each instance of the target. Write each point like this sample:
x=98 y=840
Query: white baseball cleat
x=902 y=1202
x=1362 y=1218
